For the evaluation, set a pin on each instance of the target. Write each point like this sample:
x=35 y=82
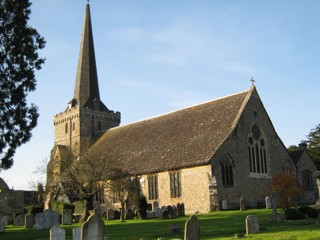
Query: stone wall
x=251 y=187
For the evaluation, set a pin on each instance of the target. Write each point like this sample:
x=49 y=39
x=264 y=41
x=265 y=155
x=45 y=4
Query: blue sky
x=158 y=56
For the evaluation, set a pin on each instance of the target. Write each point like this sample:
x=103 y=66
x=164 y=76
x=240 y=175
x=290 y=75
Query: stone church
x=203 y=155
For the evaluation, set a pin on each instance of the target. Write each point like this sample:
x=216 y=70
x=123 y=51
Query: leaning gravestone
x=252 y=225
x=192 y=229
x=28 y=221
x=67 y=217
x=19 y=220
x=76 y=233
x=57 y=233
x=110 y=214
x=92 y=229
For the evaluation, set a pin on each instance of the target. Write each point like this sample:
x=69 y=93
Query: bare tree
x=77 y=173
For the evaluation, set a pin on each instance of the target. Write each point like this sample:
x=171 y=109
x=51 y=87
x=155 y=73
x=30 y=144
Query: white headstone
x=268 y=202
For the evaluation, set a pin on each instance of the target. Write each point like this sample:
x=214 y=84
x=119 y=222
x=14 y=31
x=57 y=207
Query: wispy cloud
x=175 y=98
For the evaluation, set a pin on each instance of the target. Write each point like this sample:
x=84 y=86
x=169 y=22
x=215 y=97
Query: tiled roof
x=184 y=138
x=296 y=155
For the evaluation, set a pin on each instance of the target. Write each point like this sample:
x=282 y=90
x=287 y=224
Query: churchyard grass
x=216 y=225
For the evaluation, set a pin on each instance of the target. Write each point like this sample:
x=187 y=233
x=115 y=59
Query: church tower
x=86 y=114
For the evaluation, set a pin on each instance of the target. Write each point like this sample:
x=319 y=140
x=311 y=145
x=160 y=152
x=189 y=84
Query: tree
x=314 y=145
x=121 y=185
x=285 y=189
x=19 y=45
x=76 y=173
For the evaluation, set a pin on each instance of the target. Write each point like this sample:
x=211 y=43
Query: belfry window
x=175 y=184
x=257 y=151
x=227 y=170
x=153 y=187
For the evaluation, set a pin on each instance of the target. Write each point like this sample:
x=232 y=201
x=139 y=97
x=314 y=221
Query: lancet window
x=227 y=165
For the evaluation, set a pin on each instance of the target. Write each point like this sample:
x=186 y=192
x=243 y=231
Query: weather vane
x=252 y=80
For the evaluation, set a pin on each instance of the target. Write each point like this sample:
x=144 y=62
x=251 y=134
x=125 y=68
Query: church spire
x=86 y=91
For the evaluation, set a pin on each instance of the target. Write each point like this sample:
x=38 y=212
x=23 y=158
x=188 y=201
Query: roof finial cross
x=253 y=81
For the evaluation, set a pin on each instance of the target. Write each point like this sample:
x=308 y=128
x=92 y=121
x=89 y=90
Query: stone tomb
x=192 y=229
x=67 y=217
x=57 y=233
x=252 y=225
x=92 y=229
x=28 y=221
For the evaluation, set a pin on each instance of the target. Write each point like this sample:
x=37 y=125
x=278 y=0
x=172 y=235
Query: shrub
x=59 y=206
x=34 y=209
x=293 y=214
x=310 y=211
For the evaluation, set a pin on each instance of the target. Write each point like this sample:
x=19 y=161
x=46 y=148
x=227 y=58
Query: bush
x=310 y=211
x=143 y=207
x=293 y=214
x=34 y=209
x=59 y=206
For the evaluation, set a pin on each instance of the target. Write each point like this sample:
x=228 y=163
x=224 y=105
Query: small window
x=153 y=187
x=175 y=184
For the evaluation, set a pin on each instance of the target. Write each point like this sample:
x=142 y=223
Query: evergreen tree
x=19 y=45
x=314 y=145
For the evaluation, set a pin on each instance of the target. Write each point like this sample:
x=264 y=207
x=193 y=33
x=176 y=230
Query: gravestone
x=179 y=210
x=268 y=202
x=252 y=225
x=67 y=217
x=50 y=219
x=92 y=229
x=192 y=229
x=174 y=207
x=224 y=204
x=3 y=222
x=149 y=207
x=164 y=215
x=242 y=204
x=98 y=212
x=155 y=205
x=163 y=208
x=157 y=212
x=28 y=221
x=19 y=220
x=151 y=214
x=57 y=233
x=76 y=233
x=182 y=210
x=172 y=213
x=38 y=225
x=274 y=216
x=77 y=218
x=110 y=214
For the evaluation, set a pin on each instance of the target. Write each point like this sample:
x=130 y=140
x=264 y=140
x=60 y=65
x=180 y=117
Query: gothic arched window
x=257 y=151
x=287 y=167
x=227 y=170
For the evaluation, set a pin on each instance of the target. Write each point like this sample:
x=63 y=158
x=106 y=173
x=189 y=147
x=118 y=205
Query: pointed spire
x=86 y=91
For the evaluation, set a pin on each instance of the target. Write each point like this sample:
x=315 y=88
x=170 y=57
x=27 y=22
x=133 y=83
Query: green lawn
x=215 y=225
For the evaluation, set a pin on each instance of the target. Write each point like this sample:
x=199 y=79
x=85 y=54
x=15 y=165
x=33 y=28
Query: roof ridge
x=185 y=108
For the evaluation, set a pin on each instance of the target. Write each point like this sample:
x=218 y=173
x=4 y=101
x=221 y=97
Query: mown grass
x=216 y=225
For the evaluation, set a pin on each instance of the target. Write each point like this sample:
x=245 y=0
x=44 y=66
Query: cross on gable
x=253 y=81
